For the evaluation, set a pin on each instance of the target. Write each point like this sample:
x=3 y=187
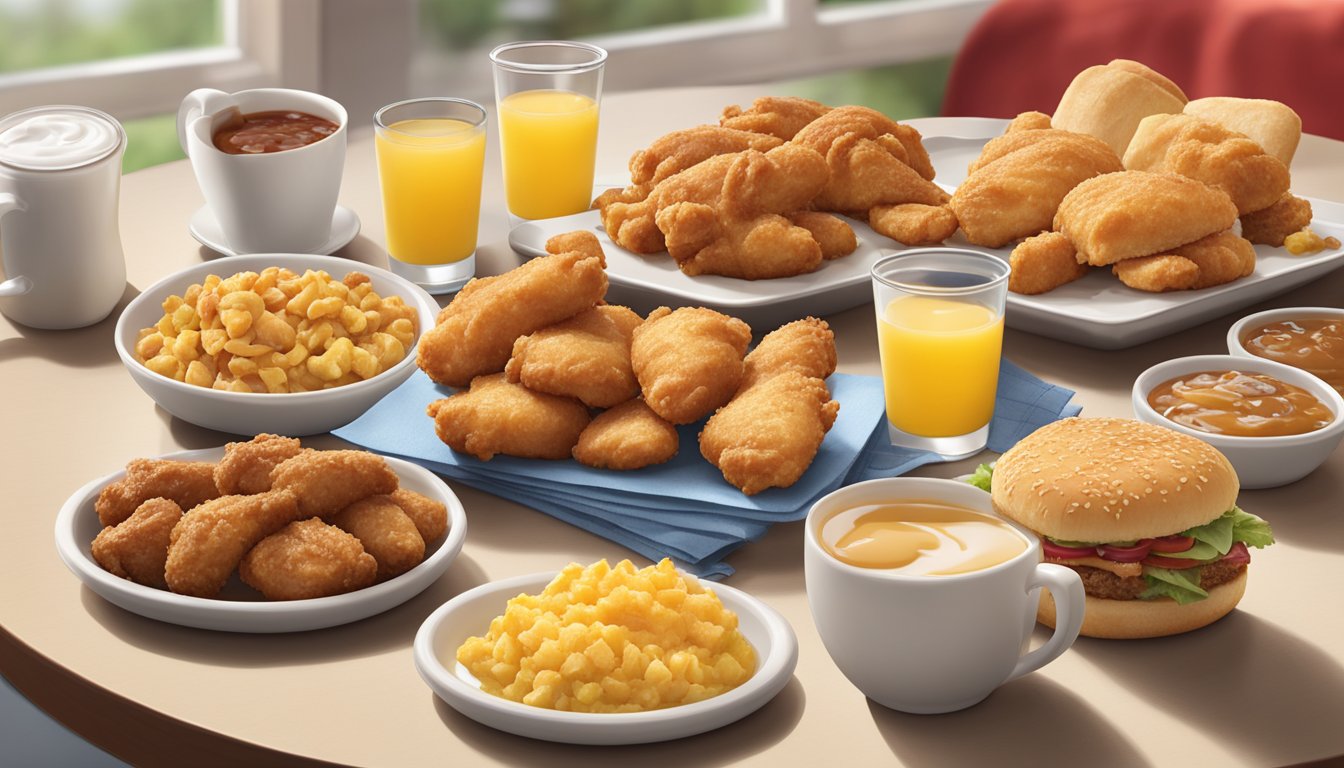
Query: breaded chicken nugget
x=585 y=357
x=1157 y=274
x=1043 y=263
x=835 y=237
x=872 y=161
x=208 y=542
x=430 y=516
x=187 y=483
x=496 y=416
x=307 y=559
x=688 y=361
x=1216 y=259
x=674 y=152
x=246 y=467
x=386 y=532
x=769 y=434
x=767 y=246
x=913 y=223
x=137 y=547
x=804 y=346
x=326 y=482
x=629 y=436
x=779 y=116
x=1271 y=225
x=474 y=334
x=1028 y=121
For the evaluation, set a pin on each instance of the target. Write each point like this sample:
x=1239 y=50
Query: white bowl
x=470 y=613
x=1250 y=322
x=1261 y=462
x=250 y=413
x=77 y=524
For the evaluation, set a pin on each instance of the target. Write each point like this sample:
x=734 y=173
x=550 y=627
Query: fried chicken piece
x=386 y=532
x=1101 y=216
x=779 y=116
x=585 y=357
x=430 y=516
x=1016 y=194
x=1206 y=151
x=1043 y=263
x=474 y=334
x=307 y=559
x=804 y=346
x=1028 y=121
x=872 y=159
x=246 y=467
x=765 y=247
x=187 y=483
x=769 y=434
x=913 y=223
x=496 y=416
x=629 y=436
x=137 y=547
x=835 y=237
x=208 y=542
x=1216 y=259
x=675 y=152
x=1271 y=225
x=326 y=482
x=688 y=361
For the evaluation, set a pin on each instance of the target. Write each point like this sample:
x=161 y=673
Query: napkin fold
x=684 y=509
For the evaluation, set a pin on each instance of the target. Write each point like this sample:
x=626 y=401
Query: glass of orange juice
x=940 y=336
x=547 y=95
x=431 y=155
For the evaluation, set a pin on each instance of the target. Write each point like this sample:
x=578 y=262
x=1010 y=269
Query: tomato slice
x=1123 y=554
x=1237 y=555
x=1051 y=549
x=1171 y=543
x=1174 y=563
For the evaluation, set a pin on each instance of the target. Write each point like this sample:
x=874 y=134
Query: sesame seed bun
x=1132 y=619
x=1104 y=480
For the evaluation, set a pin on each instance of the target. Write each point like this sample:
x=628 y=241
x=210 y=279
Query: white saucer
x=205 y=228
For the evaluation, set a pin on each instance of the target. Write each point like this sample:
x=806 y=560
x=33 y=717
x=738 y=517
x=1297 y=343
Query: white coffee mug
x=272 y=202
x=60 y=183
x=930 y=644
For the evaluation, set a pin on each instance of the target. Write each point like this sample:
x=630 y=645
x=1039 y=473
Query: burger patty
x=1107 y=585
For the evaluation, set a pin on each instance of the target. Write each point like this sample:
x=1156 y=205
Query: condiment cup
x=1261 y=462
x=250 y=413
x=931 y=644
x=1251 y=322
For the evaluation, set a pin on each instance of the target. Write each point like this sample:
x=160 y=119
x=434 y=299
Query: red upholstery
x=1023 y=53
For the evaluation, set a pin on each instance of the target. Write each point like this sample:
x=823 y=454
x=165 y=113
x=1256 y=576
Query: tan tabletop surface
x=1264 y=686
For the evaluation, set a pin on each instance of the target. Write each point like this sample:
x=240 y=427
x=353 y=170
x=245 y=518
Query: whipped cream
x=52 y=138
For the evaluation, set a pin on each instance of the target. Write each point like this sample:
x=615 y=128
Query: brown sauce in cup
x=1239 y=405
x=1314 y=344
x=275 y=131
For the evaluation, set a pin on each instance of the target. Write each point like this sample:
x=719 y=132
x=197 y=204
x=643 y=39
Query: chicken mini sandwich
x=1145 y=515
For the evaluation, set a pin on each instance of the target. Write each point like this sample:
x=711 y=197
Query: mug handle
x=1067 y=590
x=20 y=285
x=202 y=101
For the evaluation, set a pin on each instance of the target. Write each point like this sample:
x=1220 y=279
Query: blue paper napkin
x=684 y=509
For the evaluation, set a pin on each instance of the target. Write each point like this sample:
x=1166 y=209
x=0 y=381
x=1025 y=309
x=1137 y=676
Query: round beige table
x=1264 y=686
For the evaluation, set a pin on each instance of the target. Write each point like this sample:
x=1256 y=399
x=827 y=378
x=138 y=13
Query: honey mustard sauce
x=1316 y=345
x=920 y=538
x=1239 y=404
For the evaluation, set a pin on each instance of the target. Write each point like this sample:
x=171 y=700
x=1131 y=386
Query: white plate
x=470 y=613
x=205 y=228
x=240 y=609
x=1097 y=311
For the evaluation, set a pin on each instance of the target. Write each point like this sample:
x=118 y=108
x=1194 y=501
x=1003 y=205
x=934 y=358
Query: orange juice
x=940 y=364
x=549 y=146
x=430 y=170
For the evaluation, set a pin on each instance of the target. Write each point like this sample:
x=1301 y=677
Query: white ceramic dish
x=1251 y=322
x=205 y=228
x=1096 y=311
x=470 y=613
x=240 y=609
x=247 y=413
x=1261 y=462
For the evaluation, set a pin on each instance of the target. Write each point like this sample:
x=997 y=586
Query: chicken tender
x=835 y=237
x=496 y=416
x=1157 y=274
x=474 y=334
x=872 y=159
x=187 y=483
x=804 y=346
x=769 y=434
x=1099 y=215
x=913 y=223
x=326 y=482
x=629 y=436
x=586 y=357
x=208 y=542
x=765 y=247
x=1273 y=224
x=1216 y=259
x=688 y=361
x=246 y=467
x=779 y=116
x=430 y=516
x=307 y=559
x=1028 y=121
x=673 y=153
x=1043 y=263
x=386 y=532
x=137 y=547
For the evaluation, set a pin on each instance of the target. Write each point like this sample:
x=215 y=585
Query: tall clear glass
x=940 y=336
x=431 y=156
x=547 y=95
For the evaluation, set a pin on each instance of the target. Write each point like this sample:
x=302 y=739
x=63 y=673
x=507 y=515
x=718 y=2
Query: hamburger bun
x=1272 y=124
x=1133 y=619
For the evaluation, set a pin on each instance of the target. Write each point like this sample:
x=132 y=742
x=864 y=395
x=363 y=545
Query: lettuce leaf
x=982 y=477
x=1249 y=529
x=1200 y=550
x=1179 y=585
x=1216 y=534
